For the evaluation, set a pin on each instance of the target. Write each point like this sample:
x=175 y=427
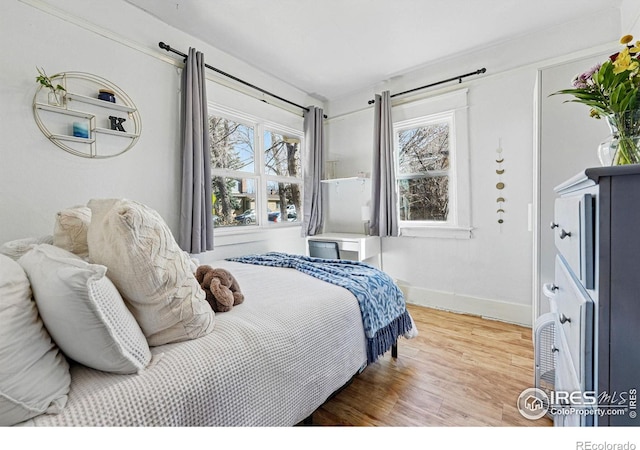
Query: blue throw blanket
x=384 y=313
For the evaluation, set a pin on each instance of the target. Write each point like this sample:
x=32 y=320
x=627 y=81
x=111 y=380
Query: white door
x=567 y=144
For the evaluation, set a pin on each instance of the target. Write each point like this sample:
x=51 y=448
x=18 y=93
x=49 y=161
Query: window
x=423 y=171
x=432 y=167
x=284 y=176
x=250 y=187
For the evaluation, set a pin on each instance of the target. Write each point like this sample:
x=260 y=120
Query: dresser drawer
x=349 y=246
x=574 y=309
x=573 y=227
x=566 y=381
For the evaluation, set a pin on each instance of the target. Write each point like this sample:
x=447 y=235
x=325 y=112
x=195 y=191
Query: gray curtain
x=196 y=220
x=313 y=170
x=384 y=214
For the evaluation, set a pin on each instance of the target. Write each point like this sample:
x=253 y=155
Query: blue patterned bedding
x=384 y=313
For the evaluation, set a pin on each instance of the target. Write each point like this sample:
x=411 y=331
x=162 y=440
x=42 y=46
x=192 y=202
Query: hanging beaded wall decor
x=500 y=184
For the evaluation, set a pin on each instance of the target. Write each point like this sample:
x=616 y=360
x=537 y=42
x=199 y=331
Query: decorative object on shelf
x=116 y=123
x=330 y=169
x=81 y=130
x=56 y=93
x=107 y=95
x=105 y=136
x=611 y=90
x=365 y=216
x=500 y=184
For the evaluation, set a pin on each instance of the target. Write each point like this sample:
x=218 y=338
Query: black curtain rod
x=168 y=48
x=459 y=78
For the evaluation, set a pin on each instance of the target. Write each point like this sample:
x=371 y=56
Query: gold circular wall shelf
x=106 y=122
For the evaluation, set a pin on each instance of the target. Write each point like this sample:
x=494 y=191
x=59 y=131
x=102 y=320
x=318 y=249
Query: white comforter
x=270 y=361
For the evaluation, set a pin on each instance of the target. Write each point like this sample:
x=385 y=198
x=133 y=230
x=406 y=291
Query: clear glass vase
x=623 y=146
x=55 y=98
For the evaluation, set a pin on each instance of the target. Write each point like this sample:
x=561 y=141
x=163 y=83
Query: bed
x=305 y=329
x=270 y=361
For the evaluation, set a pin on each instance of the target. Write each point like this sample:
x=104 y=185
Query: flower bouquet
x=611 y=90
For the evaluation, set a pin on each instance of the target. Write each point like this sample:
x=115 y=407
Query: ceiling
x=328 y=48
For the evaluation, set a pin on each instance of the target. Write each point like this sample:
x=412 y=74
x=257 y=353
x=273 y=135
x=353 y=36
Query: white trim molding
x=436 y=232
x=509 y=312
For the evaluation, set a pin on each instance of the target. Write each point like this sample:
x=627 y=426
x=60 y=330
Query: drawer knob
x=564 y=319
x=553 y=225
x=549 y=290
x=564 y=234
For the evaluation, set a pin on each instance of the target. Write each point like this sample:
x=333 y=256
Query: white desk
x=364 y=246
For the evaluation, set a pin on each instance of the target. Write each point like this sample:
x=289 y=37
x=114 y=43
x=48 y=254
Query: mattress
x=270 y=361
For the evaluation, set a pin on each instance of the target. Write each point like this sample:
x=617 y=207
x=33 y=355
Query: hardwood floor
x=460 y=371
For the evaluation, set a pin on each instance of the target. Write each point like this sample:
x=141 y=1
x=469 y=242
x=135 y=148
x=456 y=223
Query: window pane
x=231 y=145
x=284 y=201
x=424 y=148
x=282 y=154
x=234 y=201
x=424 y=198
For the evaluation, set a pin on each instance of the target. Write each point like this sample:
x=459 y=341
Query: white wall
x=120 y=43
x=630 y=15
x=494 y=265
x=491 y=273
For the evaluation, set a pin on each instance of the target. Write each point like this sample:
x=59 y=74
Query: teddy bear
x=222 y=289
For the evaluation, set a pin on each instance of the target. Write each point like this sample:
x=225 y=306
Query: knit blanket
x=382 y=305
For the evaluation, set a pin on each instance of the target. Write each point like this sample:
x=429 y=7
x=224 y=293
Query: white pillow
x=15 y=249
x=84 y=312
x=149 y=269
x=34 y=375
x=70 y=230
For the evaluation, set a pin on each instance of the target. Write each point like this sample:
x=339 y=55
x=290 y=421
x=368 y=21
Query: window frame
x=259 y=175
x=411 y=124
x=451 y=108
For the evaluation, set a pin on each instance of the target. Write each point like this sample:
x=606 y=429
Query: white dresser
x=595 y=298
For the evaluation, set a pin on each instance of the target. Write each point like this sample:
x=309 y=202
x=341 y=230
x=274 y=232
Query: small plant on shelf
x=56 y=91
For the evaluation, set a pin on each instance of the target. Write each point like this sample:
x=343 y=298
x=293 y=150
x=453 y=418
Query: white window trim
x=451 y=106
x=261 y=178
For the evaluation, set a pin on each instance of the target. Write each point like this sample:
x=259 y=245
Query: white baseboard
x=449 y=301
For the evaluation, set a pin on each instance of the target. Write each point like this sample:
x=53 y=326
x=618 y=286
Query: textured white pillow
x=70 y=230
x=84 y=312
x=149 y=269
x=15 y=249
x=34 y=375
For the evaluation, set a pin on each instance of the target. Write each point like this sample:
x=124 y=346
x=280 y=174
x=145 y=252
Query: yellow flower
x=626 y=39
x=635 y=48
x=624 y=62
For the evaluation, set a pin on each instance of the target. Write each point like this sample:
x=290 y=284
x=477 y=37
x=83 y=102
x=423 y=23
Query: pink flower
x=583 y=80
